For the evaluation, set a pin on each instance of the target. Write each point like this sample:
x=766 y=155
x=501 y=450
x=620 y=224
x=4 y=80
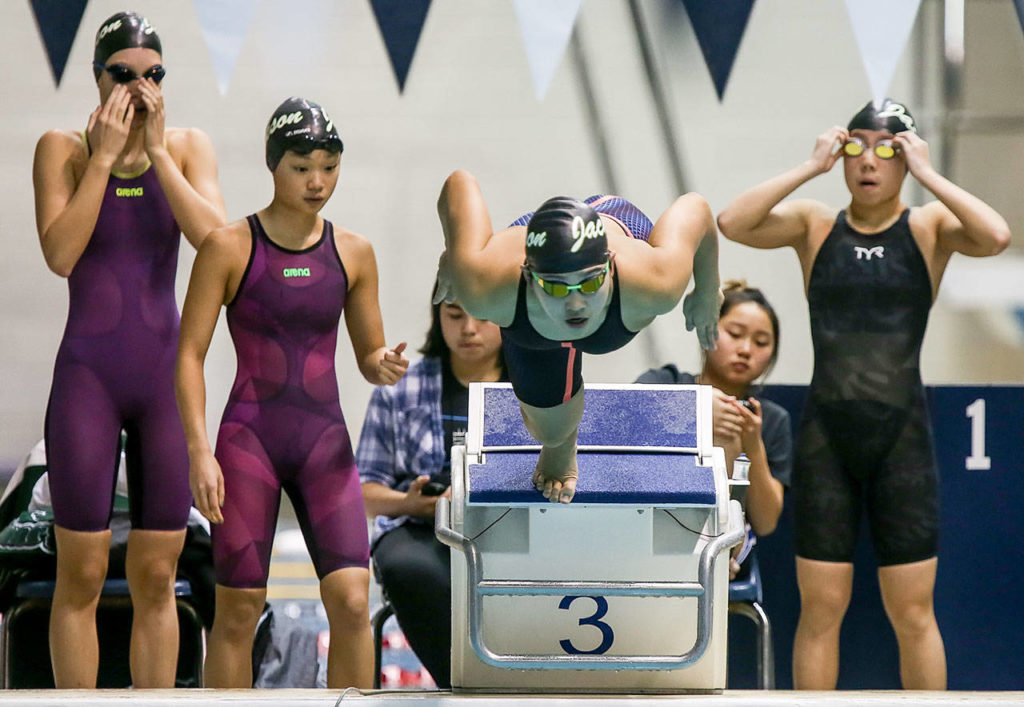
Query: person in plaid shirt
x=404 y=457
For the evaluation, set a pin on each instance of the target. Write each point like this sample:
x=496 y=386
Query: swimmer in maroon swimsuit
x=285 y=275
x=575 y=276
x=111 y=205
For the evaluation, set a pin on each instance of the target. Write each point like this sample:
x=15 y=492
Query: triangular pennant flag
x=224 y=24
x=546 y=26
x=58 y=22
x=719 y=26
x=400 y=23
x=881 y=28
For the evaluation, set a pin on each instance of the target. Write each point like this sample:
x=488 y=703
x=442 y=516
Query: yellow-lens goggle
x=883 y=149
x=560 y=289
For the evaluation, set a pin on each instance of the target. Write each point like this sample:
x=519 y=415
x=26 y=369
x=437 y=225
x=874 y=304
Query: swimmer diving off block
x=595 y=273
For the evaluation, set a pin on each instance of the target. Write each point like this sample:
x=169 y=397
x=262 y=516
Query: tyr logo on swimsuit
x=868 y=253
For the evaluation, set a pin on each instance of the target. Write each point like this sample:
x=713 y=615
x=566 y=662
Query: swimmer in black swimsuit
x=576 y=277
x=871 y=273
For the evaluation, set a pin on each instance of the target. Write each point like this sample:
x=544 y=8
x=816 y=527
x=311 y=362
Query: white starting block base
x=625 y=590
x=589 y=544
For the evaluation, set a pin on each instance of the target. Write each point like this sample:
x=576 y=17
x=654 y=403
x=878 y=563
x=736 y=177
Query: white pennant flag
x=224 y=24
x=881 y=28
x=546 y=26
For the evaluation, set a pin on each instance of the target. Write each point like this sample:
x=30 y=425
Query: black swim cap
x=125 y=30
x=300 y=126
x=564 y=235
x=892 y=117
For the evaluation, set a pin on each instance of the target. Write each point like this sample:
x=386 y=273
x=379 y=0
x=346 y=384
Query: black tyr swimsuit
x=865 y=438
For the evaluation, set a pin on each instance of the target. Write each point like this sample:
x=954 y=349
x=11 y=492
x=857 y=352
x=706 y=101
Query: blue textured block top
x=637 y=478
x=642 y=417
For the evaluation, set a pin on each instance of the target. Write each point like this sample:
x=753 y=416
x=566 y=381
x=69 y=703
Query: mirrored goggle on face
x=122 y=73
x=884 y=149
x=560 y=289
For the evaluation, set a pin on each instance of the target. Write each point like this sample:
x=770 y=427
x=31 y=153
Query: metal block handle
x=477 y=588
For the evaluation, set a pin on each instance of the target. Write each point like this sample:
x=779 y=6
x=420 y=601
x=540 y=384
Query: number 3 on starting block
x=624 y=589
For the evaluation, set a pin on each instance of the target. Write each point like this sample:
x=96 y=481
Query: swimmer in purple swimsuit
x=574 y=276
x=285 y=275
x=111 y=205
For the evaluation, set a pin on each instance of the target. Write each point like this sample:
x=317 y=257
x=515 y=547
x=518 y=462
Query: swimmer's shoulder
x=817 y=218
x=186 y=144
x=229 y=244
x=62 y=147
x=355 y=251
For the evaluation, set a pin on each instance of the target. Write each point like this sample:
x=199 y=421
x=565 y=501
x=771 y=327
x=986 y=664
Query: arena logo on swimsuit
x=296 y=272
x=582 y=230
x=128 y=191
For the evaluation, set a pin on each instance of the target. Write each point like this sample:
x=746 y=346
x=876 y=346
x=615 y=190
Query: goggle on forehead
x=122 y=73
x=883 y=149
x=560 y=289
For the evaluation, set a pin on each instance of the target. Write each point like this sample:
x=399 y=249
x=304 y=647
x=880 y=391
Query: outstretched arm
x=757 y=218
x=479 y=268
x=965 y=224
x=378 y=364
x=207 y=291
x=654 y=275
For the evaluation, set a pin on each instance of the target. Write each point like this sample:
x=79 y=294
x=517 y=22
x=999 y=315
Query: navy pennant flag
x=400 y=23
x=58 y=22
x=719 y=26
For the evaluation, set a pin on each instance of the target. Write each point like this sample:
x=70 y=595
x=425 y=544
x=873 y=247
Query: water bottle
x=741 y=468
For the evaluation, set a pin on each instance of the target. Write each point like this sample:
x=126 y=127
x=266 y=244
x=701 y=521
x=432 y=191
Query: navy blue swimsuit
x=546 y=373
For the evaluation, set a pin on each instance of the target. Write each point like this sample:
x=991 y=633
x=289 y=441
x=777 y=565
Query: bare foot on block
x=556 y=473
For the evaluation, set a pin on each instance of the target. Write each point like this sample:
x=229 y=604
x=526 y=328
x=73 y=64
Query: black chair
x=377 y=621
x=24 y=644
x=745 y=599
x=380 y=617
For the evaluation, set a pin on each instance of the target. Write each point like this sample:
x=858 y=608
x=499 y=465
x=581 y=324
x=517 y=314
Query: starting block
x=623 y=590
